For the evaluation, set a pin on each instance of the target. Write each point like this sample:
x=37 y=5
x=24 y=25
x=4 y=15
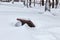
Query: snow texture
x=47 y=25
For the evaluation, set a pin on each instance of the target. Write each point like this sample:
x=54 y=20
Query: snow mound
x=15 y=23
x=48 y=13
x=56 y=11
x=18 y=24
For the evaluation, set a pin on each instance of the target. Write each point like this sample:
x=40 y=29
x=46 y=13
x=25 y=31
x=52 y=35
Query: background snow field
x=47 y=25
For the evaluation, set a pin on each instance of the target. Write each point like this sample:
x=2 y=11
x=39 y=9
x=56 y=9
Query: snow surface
x=47 y=25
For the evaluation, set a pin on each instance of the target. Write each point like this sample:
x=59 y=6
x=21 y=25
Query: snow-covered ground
x=47 y=25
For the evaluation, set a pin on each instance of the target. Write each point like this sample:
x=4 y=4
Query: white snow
x=47 y=25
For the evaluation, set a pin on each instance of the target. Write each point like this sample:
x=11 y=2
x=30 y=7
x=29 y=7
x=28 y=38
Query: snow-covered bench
x=28 y=22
